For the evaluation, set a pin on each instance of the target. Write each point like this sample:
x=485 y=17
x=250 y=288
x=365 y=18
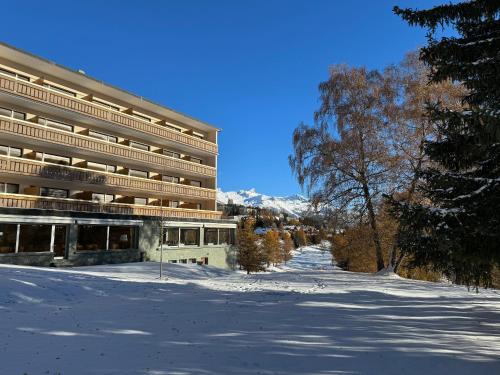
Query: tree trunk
x=373 y=225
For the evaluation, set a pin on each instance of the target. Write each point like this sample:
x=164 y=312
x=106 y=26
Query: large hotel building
x=91 y=174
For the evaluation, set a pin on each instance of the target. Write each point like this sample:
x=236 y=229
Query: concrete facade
x=89 y=171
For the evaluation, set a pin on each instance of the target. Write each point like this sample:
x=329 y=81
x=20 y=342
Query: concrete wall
x=28 y=259
x=223 y=256
x=218 y=256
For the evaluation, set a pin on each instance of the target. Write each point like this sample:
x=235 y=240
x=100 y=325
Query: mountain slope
x=293 y=205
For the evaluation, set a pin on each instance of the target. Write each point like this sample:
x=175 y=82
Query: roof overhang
x=49 y=68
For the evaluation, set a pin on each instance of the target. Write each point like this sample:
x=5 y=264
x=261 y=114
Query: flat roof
x=51 y=68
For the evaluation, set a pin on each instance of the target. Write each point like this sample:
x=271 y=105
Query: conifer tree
x=271 y=247
x=299 y=237
x=249 y=255
x=286 y=247
x=457 y=231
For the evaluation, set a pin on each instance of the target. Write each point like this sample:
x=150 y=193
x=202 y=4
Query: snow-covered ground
x=309 y=318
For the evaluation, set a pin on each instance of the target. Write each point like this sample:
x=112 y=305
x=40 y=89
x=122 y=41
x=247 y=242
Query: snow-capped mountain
x=293 y=205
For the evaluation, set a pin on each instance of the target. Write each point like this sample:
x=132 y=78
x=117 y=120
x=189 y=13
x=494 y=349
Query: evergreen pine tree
x=249 y=255
x=458 y=231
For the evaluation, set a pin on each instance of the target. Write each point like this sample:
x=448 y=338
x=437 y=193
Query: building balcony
x=60 y=204
x=44 y=95
x=29 y=133
x=80 y=178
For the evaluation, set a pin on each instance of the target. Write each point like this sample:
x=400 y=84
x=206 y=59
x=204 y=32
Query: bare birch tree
x=346 y=158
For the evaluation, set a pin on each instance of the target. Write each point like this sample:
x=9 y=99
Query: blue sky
x=250 y=67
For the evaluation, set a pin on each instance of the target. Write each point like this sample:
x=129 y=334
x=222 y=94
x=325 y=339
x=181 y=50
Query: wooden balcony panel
x=47 y=203
x=31 y=168
x=42 y=94
x=84 y=143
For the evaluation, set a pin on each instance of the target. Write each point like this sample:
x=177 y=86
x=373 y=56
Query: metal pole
x=161 y=238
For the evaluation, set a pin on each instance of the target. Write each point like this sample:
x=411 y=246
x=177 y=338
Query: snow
x=294 y=205
x=308 y=318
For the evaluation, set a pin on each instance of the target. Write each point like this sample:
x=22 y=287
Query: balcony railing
x=45 y=95
x=47 y=203
x=31 y=168
x=32 y=131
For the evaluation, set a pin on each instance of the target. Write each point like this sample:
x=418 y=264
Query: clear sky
x=249 y=67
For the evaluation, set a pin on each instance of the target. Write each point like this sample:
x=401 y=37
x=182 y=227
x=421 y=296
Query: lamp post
x=161 y=238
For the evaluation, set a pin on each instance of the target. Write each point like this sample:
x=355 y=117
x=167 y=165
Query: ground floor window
x=219 y=236
x=211 y=236
x=103 y=237
x=122 y=238
x=171 y=237
x=224 y=236
x=9 y=188
x=190 y=236
x=34 y=238
x=92 y=237
x=8 y=235
x=181 y=236
x=59 y=245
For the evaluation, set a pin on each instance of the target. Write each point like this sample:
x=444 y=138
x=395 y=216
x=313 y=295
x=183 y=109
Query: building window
x=13 y=114
x=172 y=261
x=15 y=75
x=171 y=236
x=96 y=166
x=92 y=237
x=54 y=193
x=172 y=179
x=140 y=146
x=59 y=240
x=190 y=236
x=107 y=105
x=102 y=198
x=9 y=188
x=59 y=89
x=172 y=154
x=195 y=183
x=224 y=236
x=211 y=237
x=192 y=260
x=173 y=128
x=173 y=204
x=122 y=238
x=111 y=168
x=8 y=235
x=143 y=201
x=137 y=173
x=34 y=238
x=55 y=159
x=4 y=150
x=55 y=124
x=102 y=136
x=11 y=151
x=141 y=117
x=196 y=160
